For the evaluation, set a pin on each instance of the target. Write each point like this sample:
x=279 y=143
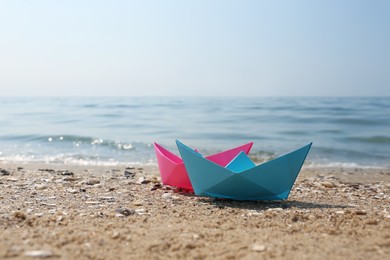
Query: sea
x=345 y=131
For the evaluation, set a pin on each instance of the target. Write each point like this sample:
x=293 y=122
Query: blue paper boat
x=241 y=179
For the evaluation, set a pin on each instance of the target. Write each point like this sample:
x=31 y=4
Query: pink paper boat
x=173 y=172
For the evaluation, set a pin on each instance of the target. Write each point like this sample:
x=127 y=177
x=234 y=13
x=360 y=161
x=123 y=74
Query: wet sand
x=100 y=212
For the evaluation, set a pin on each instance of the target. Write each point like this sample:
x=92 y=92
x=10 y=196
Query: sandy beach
x=123 y=212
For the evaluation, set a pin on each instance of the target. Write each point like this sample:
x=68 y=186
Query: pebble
x=39 y=253
x=258 y=248
x=40 y=186
x=360 y=212
x=372 y=222
x=129 y=174
x=72 y=191
x=254 y=213
x=275 y=209
x=126 y=212
x=65 y=173
x=340 y=212
x=20 y=215
x=70 y=179
x=92 y=202
x=4 y=172
x=52 y=211
x=138 y=203
x=167 y=196
x=156 y=186
x=142 y=180
x=92 y=182
x=190 y=245
x=328 y=184
x=115 y=235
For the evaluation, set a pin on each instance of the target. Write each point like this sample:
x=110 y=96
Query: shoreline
x=123 y=212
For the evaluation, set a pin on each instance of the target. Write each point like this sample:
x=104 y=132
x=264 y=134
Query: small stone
x=360 y=212
x=275 y=209
x=4 y=172
x=52 y=211
x=258 y=248
x=156 y=186
x=72 y=191
x=65 y=173
x=142 y=180
x=92 y=202
x=40 y=186
x=39 y=253
x=175 y=198
x=125 y=212
x=138 y=203
x=340 y=212
x=372 y=222
x=167 y=196
x=129 y=174
x=295 y=218
x=20 y=215
x=328 y=184
x=190 y=246
x=70 y=179
x=46 y=170
x=92 y=182
x=254 y=213
x=115 y=235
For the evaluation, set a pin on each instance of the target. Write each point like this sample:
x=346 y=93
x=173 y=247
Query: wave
x=76 y=140
x=372 y=139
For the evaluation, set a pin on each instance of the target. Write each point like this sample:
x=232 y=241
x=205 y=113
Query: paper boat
x=173 y=172
x=241 y=179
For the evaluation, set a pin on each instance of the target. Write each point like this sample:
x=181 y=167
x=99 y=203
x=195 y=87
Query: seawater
x=121 y=130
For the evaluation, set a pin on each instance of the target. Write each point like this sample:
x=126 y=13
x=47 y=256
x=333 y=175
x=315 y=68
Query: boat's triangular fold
x=240 y=163
x=167 y=154
x=211 y=173
x=223 y=158
x=279 y=174
x=172 y=170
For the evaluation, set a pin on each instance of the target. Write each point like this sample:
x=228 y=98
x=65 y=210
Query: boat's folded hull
x=272 y=180
x=173 y=171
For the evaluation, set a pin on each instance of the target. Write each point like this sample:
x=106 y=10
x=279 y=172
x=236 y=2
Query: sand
x=84 y=212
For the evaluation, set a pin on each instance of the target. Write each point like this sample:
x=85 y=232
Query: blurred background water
x=121 y=130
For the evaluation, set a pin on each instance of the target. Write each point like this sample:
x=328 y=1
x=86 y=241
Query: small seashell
x=258 y=248
x=39 y=253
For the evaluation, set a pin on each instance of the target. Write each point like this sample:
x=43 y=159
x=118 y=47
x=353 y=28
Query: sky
x=194 y=48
